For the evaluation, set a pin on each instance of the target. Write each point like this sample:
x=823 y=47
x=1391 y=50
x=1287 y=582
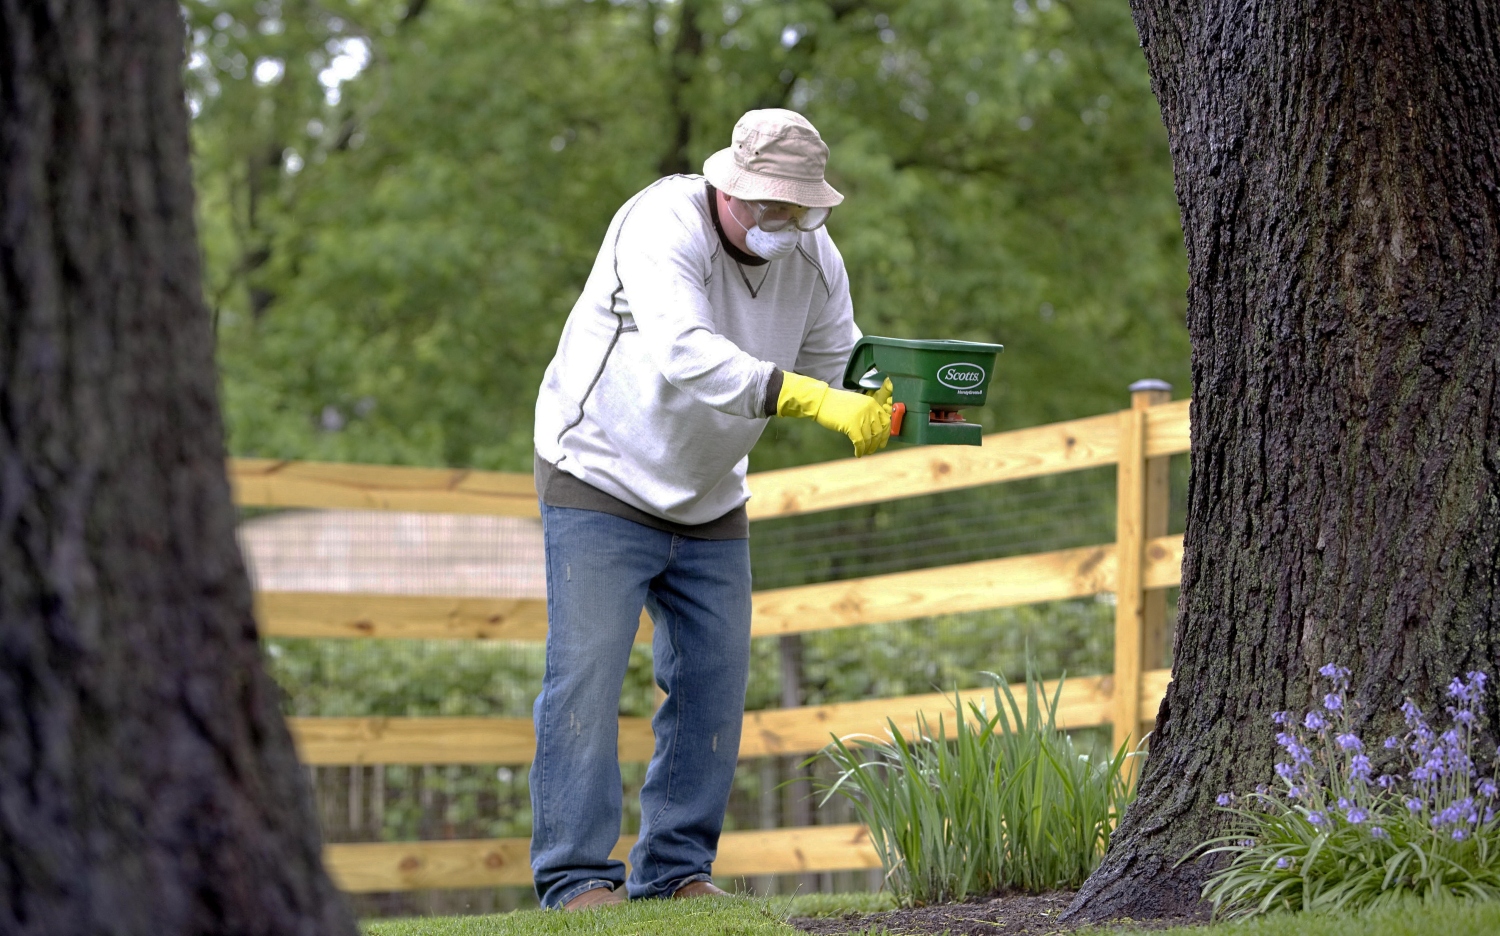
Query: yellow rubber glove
x=866 y=420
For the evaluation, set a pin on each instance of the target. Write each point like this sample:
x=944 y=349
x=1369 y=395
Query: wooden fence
x=1141 y=562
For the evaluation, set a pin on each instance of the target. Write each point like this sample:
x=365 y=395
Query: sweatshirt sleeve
x=825 y=349
x=662 y=265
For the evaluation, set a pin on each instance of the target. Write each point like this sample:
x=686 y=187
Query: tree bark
x=1339 y=180
x=148 y=784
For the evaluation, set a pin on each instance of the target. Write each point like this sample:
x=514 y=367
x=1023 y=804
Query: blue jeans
x=601 y=570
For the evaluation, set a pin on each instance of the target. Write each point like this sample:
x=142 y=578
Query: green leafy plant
x=1332 y=837
x=1006 y=802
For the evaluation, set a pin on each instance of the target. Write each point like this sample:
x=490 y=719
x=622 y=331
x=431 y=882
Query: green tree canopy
x=401 y=200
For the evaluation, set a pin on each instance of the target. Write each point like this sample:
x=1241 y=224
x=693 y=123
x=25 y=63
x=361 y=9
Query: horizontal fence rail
x=1086 y=701
x=398 y=866
x=1005 y=456
x=265 y=482
x=898 y=596
x=1137 y=441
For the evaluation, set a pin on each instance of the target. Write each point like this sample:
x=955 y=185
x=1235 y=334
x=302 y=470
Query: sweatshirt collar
x=740 y=256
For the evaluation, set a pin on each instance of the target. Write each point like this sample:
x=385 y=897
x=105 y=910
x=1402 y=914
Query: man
x=716 y=302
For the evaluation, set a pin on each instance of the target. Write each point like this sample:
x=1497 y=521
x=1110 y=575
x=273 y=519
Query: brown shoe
x=592 y=899
x=700 y=889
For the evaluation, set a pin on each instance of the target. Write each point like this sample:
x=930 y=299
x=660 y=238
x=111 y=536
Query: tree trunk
x=1338 y=173
x=148 y=784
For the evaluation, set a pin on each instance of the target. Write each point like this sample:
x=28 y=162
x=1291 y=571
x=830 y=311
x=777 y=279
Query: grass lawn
x=1452 y=919
x=731 y=917
x=764 y=916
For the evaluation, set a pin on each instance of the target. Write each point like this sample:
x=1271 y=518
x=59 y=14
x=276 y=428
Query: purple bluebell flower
x=1298 y=753
x=1459 y=834
x=1285 y=771
x=1294 y=792
x=1339 y=674
x=1385 y=781
x=1415 y=805
x=1349 y=742
x=1377 y=832
x=1449 y=815
x=1477 y=681
x=1316 y=818
x=1357 y=815
x=1333 y=701
x=1457 y=690
x=1359 y=768
x=1412 y=713
x=1225 y=799
x=1281 y=718
x=1247 y=843
x=1464 y=717
x=1487 y=788
x=1313 y=721
x=1283 y=863
x=1392 y=743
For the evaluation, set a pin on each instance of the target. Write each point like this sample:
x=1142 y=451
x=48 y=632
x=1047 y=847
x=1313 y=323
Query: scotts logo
x=961 y=377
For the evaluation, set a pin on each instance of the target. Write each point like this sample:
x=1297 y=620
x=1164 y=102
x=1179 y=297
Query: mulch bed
x=1009 y=915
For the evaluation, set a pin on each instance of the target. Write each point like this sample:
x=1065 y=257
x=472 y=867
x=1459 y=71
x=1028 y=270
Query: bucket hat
x=775 y=155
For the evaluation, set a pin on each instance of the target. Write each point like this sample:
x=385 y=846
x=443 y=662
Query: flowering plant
x=1331 y=836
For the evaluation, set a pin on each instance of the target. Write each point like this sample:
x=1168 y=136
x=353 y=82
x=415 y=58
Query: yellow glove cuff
x=800 y=396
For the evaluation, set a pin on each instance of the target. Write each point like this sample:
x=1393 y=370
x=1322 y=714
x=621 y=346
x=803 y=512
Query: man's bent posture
x=716 y=302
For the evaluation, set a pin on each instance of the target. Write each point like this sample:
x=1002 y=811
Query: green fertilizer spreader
x=931 y=382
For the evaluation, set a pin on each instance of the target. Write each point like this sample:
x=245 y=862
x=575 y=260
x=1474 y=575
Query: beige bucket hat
x=776 y=155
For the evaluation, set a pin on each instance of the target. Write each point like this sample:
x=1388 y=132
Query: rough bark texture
x=148 y=784
x=1338 y=172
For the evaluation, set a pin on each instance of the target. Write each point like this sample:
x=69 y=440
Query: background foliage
x=401 y=198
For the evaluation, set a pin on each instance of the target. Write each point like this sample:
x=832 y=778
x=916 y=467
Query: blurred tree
x=147 y=781
x=401 y=200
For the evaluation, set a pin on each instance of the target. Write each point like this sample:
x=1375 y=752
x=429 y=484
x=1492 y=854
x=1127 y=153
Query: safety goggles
x=776 y=216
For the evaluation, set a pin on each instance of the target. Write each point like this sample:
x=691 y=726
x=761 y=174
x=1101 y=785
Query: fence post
x=1130 y=547
x=1156 y=641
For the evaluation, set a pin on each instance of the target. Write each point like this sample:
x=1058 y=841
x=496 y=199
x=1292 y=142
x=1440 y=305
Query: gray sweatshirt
x=657 y=392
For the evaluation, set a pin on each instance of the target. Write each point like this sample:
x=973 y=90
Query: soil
x=1006 y=915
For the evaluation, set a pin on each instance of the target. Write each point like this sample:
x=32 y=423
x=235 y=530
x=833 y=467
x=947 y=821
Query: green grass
x=763 y=917
x=731 y=917
x=1412 y=918
x=751 y=916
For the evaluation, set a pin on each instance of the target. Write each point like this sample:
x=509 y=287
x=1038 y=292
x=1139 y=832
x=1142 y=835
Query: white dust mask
x=773 y=245
x=769 y=245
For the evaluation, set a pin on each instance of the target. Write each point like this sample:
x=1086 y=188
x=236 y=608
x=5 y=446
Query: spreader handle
x=860 y=372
